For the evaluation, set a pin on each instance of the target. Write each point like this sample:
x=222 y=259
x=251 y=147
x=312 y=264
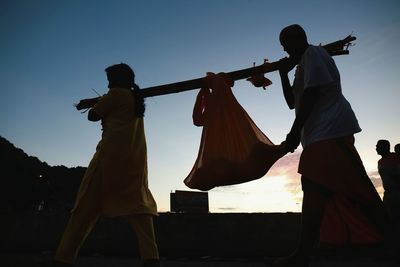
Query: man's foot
x=150 y=263
x=291 y=261
x=53 y=263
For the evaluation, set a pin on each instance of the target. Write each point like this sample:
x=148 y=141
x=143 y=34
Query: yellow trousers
x=84 y=218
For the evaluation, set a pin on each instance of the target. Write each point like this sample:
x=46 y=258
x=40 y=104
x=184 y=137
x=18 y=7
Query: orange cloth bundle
x=233 y=149
x=355 y=213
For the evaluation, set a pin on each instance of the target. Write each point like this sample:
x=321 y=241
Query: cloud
x=237 y=189
x=288 y=165
x=279 y=190
x=227 y=209
x=377 y=181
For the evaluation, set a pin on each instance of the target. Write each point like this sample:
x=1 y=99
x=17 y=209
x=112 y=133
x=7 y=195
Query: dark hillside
x=28 y=183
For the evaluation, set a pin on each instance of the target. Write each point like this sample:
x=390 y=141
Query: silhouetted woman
x=115 y=183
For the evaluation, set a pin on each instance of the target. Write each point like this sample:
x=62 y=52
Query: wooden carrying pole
x=334 y=49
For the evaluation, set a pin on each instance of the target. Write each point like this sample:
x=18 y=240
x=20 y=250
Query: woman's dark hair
x=121 y=75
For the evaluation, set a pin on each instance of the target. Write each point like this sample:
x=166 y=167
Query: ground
x=34 y=260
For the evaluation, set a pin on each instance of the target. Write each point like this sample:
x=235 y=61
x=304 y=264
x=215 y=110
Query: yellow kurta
x=119 y=166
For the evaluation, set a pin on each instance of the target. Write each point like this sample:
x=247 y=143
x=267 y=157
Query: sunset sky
x=53 y=53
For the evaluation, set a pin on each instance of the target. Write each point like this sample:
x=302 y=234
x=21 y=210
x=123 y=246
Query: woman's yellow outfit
x=115 y=183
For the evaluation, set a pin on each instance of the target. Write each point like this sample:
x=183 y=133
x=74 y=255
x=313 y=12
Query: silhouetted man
x=397 y=149
x=334 y=181
x=388 y=168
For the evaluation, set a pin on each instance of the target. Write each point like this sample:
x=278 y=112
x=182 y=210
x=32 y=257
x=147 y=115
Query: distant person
x=115 y=183
x=397 y=149
x=42 y=192
x=340 y=204
x=388 y=168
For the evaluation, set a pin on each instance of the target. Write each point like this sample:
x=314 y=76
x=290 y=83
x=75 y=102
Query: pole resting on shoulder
x=337 y=48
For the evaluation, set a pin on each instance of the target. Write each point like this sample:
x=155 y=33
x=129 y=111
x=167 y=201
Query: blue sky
x=54 y=52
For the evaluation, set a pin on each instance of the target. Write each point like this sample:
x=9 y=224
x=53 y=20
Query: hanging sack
x=233 y=149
